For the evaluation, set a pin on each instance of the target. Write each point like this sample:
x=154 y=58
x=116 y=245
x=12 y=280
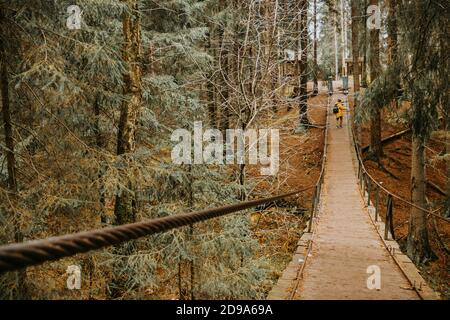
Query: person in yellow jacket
x=338 y=110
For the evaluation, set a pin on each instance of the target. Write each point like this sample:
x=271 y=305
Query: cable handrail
x=373 y=180
x=19 y=255
x=16 y=256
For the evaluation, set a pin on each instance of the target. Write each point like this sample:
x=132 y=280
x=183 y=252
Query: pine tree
x=426 y=84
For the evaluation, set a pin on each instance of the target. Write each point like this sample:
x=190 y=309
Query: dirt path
x=346 y=243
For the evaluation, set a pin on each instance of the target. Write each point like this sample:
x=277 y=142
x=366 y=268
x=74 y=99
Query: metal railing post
x=360 y=180
x=387 y=221
x=363 y=185
x=377 y=196
x=391 y=218
x=311 y=216
x=317 y=199
x=359 y=169
x=368 y=191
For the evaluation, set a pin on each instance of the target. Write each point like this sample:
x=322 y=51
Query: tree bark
x=131 y=105
x=303 y=63
x=376 y=149
x=125 y=204
x=355 y=55
x=343 y=39
x=364 y=55
x=447 y=150
x=392 y=41
x=100 y=143
x=315 y=82
x=212 y=81
x=418 y=247
x=355 y=47
x=21 y=291
x=336 y=52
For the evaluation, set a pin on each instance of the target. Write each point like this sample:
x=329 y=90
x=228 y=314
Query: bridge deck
x=346 y=243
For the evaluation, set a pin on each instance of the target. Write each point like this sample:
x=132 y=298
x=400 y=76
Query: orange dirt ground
x=279 y=227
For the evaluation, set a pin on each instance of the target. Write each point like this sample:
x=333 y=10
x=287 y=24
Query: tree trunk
x=211 y=85
x=275 y=45
x=392 y=41
x=355 y=47
x=364 y=55
x=418 y=247
x=131 y=105
x=21 y=291
x=376 y=149
x=100 y=143
x=336 y=52
x=343 y=39
x=355 y=56
x=447 y=150
x=303 y=63
x=315 y=82
x=125 y=205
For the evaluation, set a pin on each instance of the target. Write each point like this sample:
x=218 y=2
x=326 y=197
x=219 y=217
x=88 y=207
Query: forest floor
x=394 y=174
x=279 y=227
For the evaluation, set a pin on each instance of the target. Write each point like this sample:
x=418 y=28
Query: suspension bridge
x=344 y=245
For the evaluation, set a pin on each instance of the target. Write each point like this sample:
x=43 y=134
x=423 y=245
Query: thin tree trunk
x=21 y=291
x=315 y=82
x=212 y=94
x=418 y=247
x=100 y=143
x=376 y=149
x=447 y=150
x=131 y=105
x=392 y=40
x=275 y=45
x=355 y=55
x=226 y=70
x=303 y=64
x=343 y=37
x=364 y=55
x=355 y=47
x=336 y=51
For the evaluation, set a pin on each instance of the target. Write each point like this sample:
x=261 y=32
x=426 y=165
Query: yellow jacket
x=341 y=110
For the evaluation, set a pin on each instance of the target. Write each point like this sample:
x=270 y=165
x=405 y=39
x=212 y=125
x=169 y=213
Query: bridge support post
x=377 y=196
x=313 y=207
x=317 y=198
x=363 y=185
x=388 y=219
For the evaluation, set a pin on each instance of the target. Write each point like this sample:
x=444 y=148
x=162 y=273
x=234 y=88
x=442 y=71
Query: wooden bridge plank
x=346 y=242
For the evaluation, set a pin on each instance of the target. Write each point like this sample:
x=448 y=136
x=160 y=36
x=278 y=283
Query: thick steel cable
x=20 y=255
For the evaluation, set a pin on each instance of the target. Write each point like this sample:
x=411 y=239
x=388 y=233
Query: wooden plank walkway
x=346 y=242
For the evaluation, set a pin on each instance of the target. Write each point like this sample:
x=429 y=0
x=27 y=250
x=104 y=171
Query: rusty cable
x=19 y=255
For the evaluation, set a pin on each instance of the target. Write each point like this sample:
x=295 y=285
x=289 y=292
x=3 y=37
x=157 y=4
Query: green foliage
x=66 y=94
x=380 y=93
